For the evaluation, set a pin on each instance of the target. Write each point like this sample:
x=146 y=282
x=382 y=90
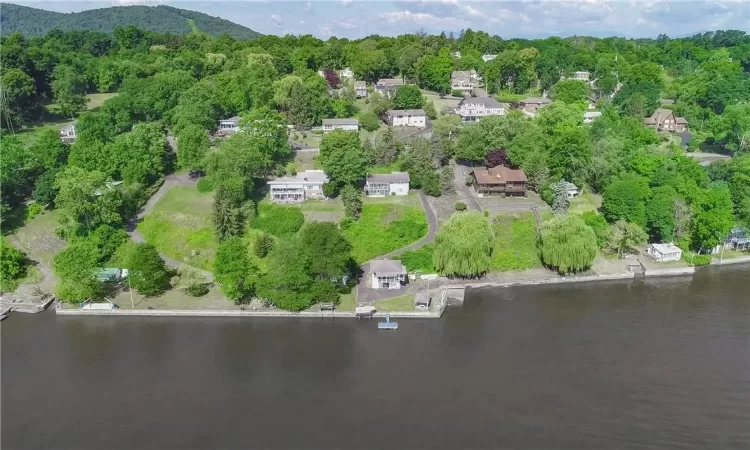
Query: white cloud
x=346 y=2
x=325 y=31
x=301 y=22
x=473 y=12
x=408 y=16
x=344 y=23
x=276 y=19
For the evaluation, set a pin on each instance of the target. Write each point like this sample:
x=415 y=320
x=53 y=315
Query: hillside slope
x=162 y=19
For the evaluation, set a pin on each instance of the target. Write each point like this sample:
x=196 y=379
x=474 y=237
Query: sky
x=507 y=19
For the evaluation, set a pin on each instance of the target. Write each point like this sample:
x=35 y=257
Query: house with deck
x=664 y=252
x=387 y=274
x=388 y=86
x=228 y=126
x=500 y=180
x=665 y=120
x=68 y=132
x=386 y=184
x=406 y=117
x=298 y=188
x=583 y=76
x=473 y=109
x=340 y=124
x=464 y=81
x=346 y=73
x=360 y=89
x=531 y=105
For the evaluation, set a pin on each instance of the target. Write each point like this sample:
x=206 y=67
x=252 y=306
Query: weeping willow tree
x=567 y=244
x=463 y=247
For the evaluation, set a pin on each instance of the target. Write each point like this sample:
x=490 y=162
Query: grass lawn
x=585 y=202
x=440 y=103
x=412 y=200
x=306 y=138
x=180 y=226
x=39 y=239
x=348 y=301
x=515 y=242
x=384 y=227
x=392 y=167
x=97 y=100
x=402 y=303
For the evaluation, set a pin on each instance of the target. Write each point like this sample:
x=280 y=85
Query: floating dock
x=387 y=325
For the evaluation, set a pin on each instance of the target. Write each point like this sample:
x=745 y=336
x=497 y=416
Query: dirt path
x=132 y=227
x=459 y=181
x=48 y=280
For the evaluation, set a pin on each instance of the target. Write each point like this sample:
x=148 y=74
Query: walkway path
x=459 y=180
x=367 y=295
x=132 y=227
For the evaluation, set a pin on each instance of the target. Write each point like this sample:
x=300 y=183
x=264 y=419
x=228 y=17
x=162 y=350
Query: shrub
x=419 y=260
x=197 y=289
x=33 y=210
x=696 y=259
x=331 y=190
x=263 y=245
x=469 y=180
x=515 y=242
x=278 y=220
x=457 y=93
x=461 y=206
x=205 y=184
x=486 y=214
x=369 y=121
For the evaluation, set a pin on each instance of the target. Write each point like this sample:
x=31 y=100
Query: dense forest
x=160 y=19
x=184 y=84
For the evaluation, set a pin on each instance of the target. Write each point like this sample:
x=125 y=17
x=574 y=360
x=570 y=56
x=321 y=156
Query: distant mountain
x=162 y=19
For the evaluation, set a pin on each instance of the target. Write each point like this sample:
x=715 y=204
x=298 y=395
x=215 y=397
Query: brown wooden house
x=500 y=180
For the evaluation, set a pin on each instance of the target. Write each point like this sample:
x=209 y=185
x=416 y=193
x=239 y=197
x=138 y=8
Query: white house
x=487 y=58
x=456 y=54
x=472 y=109
x=340 y=124
x=383 y=185
x=589 y=116
x=360 y=88
x=583 y=76
x=571 y=190
x=388 y=86
x=346 y=73
x=464 y=81
x=664 y=252
x=387 y=274
x=406 y=117
x=298 y=188
x=68 y=132
x=229 y=126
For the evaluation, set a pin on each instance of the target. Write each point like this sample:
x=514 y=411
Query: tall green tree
x=626 y=199
x=463 y=246
x=147 y=271
x=570 y=91
x=407 y=96
x=234 y=271
x=342 y=158
x=567 y=244
x=85 y=201
x=192 y=146
x=713 y=217
x=660 y=214
x=625 y=237
x=69 y=88
x=352 y=199
x=434 y=71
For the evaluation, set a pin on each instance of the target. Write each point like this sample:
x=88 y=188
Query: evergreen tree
x=560 y=200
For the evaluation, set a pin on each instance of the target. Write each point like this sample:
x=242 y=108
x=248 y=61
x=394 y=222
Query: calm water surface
x=661 y=364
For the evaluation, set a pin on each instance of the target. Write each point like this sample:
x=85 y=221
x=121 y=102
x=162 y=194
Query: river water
x=657 y=364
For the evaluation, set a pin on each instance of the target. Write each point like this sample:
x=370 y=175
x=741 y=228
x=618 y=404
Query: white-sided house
x=589 y=116
x=383 y=185
x=406 y=117
x=68 y=132
x=387 y=274
x=228 y=126
x=473 y=109
x=388 y=86
x=346 y=73
x=582 y=75
x=664 y=252
x=360 y=88
x=298 y=188
x=340 y=124
x=464 y=81
x=571 y=190
x=487 y=58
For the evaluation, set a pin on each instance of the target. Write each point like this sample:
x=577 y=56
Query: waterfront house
x=228 y=126
x=360 y=88
x=500 y=180
x=406 y=117
x=583 y=76
x=387 y=274
x=340 y=124
x=346 y=73
x=298 y=188
x=738 y=239
x=571 y=190
x=589 y=116
x=665 y=120
x=68 y=132
x=383 y=185
x=464 y=81
x=531 y=105
x=473 y=109
x=488 y=58
x=664 y=252
x=388 y=86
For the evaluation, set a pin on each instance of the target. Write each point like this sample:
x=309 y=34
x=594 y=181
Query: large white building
x=472 y=109
x=387 y=274
x=464 y=81
x=340 y=124
x=589 y=116
x=406 y=117
x=383 y=185
x=346 y=73
x=228 y=126
x=298 y=188
x=664 y=252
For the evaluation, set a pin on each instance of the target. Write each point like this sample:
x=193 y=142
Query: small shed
x=109 y=274
x=422 y=300
x=387 y=274
x=664 y=252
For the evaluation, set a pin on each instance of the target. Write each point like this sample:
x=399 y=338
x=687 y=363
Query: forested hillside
x=648 y=185
x=160 y=19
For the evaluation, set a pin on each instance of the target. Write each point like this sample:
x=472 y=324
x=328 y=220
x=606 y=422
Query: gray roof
x=341 y=122
x=536 y=100
x=393 y=177
x=67 y=125
x=391 y=81
x=488 y=102
x=307 y=175
x=232 y=119
x=360 y=84
x=387 y=267
x=405 y=112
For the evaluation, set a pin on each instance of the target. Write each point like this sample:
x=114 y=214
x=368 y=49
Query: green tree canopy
x=463 y=246
x=571 y=91
x=567 y=244
x=342 y=157
x=625 y=199
x=407 y=96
